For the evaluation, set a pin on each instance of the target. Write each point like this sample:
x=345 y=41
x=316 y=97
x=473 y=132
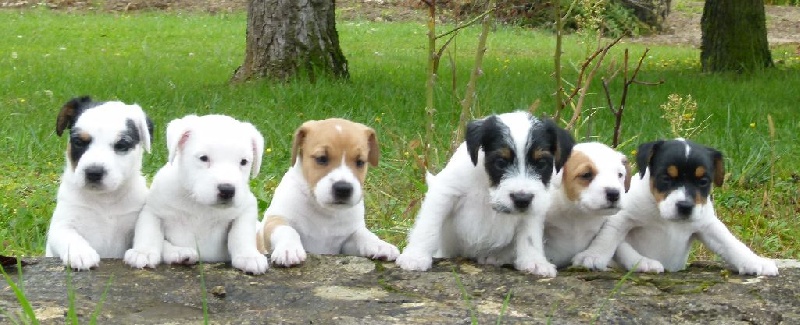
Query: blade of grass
x=19 y=293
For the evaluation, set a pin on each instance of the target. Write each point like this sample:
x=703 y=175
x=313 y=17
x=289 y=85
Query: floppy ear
x=562 y=144
x=299 y=138
x=628 y=175
x=644 y=154
x=474 y=138
x=719 y=167
x=178 y=131
x=69 y=113
x=374 y=150
x=257 y=142
x=144 y=125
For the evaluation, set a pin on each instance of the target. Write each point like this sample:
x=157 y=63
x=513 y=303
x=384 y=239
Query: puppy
x=200 y=206
x=319 y=204
x=490 y=200
x=102 y=189
x=667 y=208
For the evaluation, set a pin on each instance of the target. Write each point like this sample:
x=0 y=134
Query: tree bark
x=734 y=36
x=288 y=38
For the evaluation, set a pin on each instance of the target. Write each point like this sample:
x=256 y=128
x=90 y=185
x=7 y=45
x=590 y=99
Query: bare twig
x=429 y=89
x=582 y=86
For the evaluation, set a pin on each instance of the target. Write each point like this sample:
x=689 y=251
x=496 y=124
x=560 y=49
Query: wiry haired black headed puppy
x=667 y=208
x=489 y=202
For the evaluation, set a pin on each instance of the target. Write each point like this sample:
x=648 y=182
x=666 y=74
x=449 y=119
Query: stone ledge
x=353 y=290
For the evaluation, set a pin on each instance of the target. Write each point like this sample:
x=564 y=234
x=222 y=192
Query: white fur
x=90 y=221
x=183 y=220
x=665 y=241
x=459 y=217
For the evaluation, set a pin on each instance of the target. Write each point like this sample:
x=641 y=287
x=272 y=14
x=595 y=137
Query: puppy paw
x=591 y=261
x=380 y=250
x=287 y=255
x=256 y=264
x=540 y=268
x=414 y=262
x=648 y=265
x=180 y=255
x=81 y=258
x=758 y=266
x=139 y=259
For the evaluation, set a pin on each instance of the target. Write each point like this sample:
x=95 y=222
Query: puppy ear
x=562 y=144
x=628 y=175
x=144 y=125
x=299 y=138
x=719 y=167
x=178 y=131
x=374 y=150
x=69 y=113
x=644 y=154
x=257 y=142
x=474 y=138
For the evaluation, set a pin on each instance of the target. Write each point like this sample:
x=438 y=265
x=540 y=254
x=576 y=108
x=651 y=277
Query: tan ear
x=374 y=150
x=628 y=175
x=70 y=110
x=719 y=167
x=299 y=139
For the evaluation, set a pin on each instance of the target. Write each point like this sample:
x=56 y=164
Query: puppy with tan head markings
x=669 y=207
x=318 y=207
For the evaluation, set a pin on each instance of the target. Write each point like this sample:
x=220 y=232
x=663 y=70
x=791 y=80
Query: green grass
x=175 y=64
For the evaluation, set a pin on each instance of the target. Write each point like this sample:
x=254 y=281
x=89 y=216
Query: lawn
x=174 y=64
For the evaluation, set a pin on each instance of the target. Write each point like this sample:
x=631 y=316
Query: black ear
x=644 y=154
x=562 y=144
x=719 y=167
x=70 y=112
x=474 y=138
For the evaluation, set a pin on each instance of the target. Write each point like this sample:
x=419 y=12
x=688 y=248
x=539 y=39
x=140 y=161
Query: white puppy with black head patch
x=102 y=189
x=669 y=207
x=490 y=201
x=200 y=206
x=318 y=207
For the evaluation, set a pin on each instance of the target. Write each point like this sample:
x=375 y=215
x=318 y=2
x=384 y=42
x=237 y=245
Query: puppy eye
x=80 y=143
x=243 y=162
x=703 y=182
x=321 y=160
x=586 y=176
x=360 y=163
x=501 y=163
x=204 y=158
x=620 y=175
x=666 y=179
x=542 y=164
x=122 y=145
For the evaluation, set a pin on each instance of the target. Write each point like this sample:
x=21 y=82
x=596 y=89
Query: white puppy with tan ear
x=319 y=205
x=200 y=207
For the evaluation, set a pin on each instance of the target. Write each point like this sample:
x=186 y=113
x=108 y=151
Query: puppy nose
x=342 y=190
x=521 y=200
x=226 y=191
x=612 y=194
x=685 y=207
x=94 y=173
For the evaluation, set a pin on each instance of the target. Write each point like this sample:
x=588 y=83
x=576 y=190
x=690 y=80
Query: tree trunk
x=286 y=38
x=734 y=36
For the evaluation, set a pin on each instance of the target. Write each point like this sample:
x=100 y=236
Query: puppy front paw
x=139 y=258
x=414 y=262
x=81 y=258
x=591 y=260
x=256 y=264
x=648 y=265
x=288 y=254
x=180 y=255
x=540 y=268
x=758 y=266
x=380 y=250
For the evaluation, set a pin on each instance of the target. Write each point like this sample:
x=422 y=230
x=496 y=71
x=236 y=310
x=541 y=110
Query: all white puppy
x=200 y=206
x=318 y=207
x=102 y=189
x=489 y=202
x=668 y=207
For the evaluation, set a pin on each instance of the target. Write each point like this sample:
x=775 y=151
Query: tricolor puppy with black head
x=102 y=189
x=668 y=207
x=200 y=206
x=318 y=207
x=490 y=201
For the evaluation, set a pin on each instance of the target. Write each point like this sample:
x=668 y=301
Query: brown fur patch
x=577 y=165
x=539 y=154
x=335 y=139
x=719 y=171
x=659 y=196
x=65 y=117
x=628 y=173
x=699 y=198
x=265 y=233
x=699 y=172
x=672 y=171
x=505 y=153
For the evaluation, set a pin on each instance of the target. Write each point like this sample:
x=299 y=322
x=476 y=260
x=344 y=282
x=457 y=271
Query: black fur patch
x=658 y=156
x=79 y=142
x=128 y=139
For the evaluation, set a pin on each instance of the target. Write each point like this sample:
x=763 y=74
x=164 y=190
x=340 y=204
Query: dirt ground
x=682 y=25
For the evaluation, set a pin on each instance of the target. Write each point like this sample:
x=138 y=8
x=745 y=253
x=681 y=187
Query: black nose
x=94 y=173
x=685 y=207
x=612 y=195
x=342 y=190
x=226 y=191
x=521 y=200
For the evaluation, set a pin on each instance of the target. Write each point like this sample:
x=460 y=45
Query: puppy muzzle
x=225 y=193
x=342 y=192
